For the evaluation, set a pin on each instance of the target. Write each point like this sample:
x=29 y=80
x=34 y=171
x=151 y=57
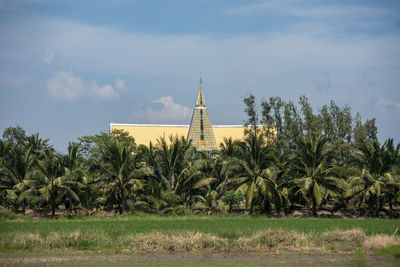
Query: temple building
x=203 y=135
x=200 y=130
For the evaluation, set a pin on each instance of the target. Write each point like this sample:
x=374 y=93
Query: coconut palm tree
x=312 y=171
x=74 y=173
x=377 y=176
x=54 y=182
x=252 y=173
x=38 y=144
x=123 y=168
x=195 y=177
x=168 y=159
x=229 y=148
x=17 y=173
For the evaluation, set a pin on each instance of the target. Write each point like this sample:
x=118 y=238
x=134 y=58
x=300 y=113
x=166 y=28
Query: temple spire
x=201 y=101
x=200 y=131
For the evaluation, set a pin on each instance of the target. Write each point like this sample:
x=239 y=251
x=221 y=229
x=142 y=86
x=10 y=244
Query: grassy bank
x=193 y=233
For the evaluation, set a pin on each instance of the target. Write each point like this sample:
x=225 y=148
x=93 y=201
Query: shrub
x=8 y=215
x=177 y=211
x=231 y=198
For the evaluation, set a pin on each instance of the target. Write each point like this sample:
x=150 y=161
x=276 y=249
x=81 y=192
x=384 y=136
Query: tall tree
x=252 y=173
x=18 y=172
x=15 y=136
x=168 y=159
x=54 y=183
x=313 y=171
x=311 y=124
x=252 y=122
x=376 y=165
x=364 y=132
x=337 y=127
x=123 y=168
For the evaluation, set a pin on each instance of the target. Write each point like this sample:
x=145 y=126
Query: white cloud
x=120 y=85
x=170 y=113
x=285 y=64
x=48 y=55
x=66 y=85
x=389 y=103
x=105 y=92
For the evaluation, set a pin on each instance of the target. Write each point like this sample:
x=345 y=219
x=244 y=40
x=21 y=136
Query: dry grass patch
x=74 y=240
x=182 y=242
x=380 y=241
x=339 y=240
x=27 y=241
x=354 y=235
x=275 y=239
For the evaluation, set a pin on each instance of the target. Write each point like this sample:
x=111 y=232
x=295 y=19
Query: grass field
x=107 y=232
x=230 y=227
x=30 y=241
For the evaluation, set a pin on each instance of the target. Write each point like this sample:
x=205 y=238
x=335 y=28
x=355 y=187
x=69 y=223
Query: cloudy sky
x=68 y=68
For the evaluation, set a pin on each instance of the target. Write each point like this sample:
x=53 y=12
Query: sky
x=68 y=68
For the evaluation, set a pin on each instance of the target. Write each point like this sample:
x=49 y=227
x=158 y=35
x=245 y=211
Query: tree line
x=290 y=158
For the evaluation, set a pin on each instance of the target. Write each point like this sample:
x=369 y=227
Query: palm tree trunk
x=267 y=206
x=314 y=207
x=391 y=206
x=251 y=207
x=23 y=207
x=53 y=208
x=123 y=201
x=53 y=201
x=173 y=182
x=377 y=206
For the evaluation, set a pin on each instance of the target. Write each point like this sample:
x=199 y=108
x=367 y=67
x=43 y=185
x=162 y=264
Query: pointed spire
x=200 y=131
x=201 y=101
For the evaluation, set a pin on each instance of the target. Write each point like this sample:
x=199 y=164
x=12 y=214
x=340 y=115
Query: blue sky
x=68 y=68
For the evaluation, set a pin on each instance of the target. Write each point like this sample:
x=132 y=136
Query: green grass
x=107 y=232
x=201 y=265
x=231 y=227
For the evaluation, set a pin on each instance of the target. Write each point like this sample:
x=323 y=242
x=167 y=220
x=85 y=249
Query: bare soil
x=127 y=258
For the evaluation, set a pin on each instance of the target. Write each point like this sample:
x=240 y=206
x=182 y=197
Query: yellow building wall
x=221 y=131
x=144 y=133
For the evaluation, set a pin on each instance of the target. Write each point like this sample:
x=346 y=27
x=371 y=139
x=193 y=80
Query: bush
x=172 y=199
x=177 y=211
x=231 y=198
x=8 y=215
x=35 y=202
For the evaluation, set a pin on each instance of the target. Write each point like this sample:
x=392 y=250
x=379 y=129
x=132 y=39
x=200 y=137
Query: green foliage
x=232 y=198
x=291 y=158
x=14 y=135
x=391 y=250
x=7 y=214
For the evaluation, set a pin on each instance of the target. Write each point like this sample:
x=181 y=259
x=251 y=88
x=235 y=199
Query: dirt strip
x=133 y=259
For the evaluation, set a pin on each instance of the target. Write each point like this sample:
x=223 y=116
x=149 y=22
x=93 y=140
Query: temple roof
x=200 y=130
x=201 y=101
